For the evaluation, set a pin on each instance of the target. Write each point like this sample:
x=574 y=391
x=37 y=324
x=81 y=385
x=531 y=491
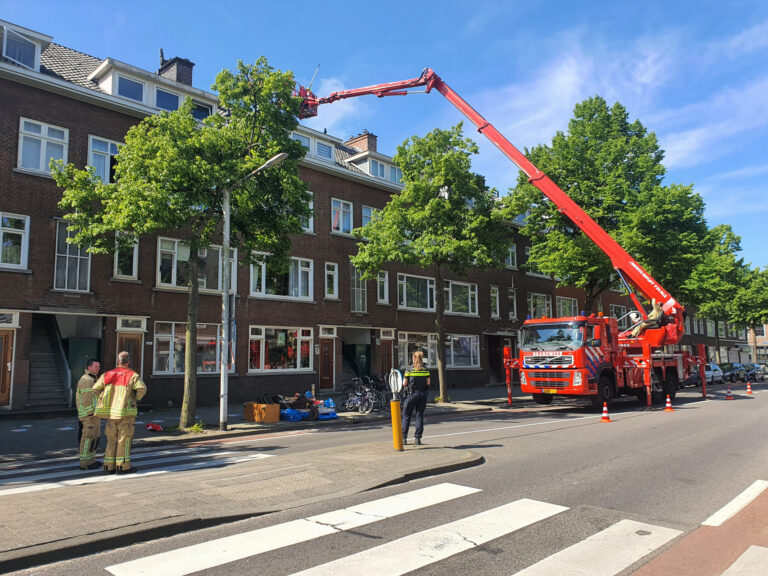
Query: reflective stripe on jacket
x=85 y=399
x=417 y=379
x=118 y=392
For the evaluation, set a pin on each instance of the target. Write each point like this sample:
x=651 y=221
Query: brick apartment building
x=315 y=325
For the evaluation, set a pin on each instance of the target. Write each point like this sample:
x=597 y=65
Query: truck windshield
x=566 y=336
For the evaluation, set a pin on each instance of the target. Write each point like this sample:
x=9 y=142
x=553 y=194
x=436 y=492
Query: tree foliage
x=445 y=220
x=612 y=168
x=172 y=172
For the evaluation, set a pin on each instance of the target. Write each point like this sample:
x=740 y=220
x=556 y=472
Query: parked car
x=713 y=373
x=693 y=378
x=755 y=372
x=733 y=372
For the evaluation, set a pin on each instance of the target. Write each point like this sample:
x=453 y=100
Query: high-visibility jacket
x=417 y=379
x=118 y=392
x=85 y=399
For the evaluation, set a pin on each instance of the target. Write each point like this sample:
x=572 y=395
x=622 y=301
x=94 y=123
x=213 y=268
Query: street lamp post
x=226 y=288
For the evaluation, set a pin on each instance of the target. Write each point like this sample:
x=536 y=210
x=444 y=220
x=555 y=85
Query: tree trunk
x=189 y=403
x=752 y=339
x=439 y=313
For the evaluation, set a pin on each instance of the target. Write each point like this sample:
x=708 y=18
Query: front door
x=131 y=343
x=385 y=351
x=6 y=363
x=326 y=363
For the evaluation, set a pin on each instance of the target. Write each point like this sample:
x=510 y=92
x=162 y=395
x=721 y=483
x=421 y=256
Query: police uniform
x=118 y=392
x=417 y=383
x=91 y=424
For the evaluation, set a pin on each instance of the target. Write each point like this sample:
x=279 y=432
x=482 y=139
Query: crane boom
x=625 y=265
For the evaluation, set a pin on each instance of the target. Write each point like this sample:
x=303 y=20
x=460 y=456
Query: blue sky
x=695 y=73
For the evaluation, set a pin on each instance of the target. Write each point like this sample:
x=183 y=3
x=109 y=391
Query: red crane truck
x=580 y=355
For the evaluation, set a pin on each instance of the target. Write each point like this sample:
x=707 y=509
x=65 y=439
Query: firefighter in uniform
x=90 y=424
x=417 y=381
x=118 y=392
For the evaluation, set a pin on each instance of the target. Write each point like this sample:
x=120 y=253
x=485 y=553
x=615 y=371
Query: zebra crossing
x=63 y=471
x=602 y=553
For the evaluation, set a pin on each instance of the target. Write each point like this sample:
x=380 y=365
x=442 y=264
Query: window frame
x=174 y=272
x=449 y=288
x=572 y=304
x=547 y=304
x=179 y=98
x=24 y=254
x=474 y=355
x=44 y=139
x=109 y=153
x=358 y=291
x=173 y=336
x=304 y=340
x=404 y=352
x=119 y=77
x=402 y=293
x=335 y=274
x=310 y=220
x=134 y=265
x=619 y=312
x=80 y=257
x=382 y=287
x=36 y=58
x=495 y=307
x=341 y=210
x=510 y=261
x=303 y=278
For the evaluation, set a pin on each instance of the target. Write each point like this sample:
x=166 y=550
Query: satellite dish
x=395 y=381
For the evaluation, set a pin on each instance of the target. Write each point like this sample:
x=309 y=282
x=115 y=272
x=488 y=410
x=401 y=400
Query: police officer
x=118 y=391
x=90 y=424
x=417 y=381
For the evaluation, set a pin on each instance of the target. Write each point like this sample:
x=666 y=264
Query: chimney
x=176 y=69
x=364 y=142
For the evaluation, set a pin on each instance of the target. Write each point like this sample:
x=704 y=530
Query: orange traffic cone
x=605 y=417
x=728 y=395
x=669 y=405
x=749 y=388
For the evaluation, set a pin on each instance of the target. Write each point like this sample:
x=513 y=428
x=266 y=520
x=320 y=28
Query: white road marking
x=752 y=563
x=736 y=504
x=113 y=477
x=231 y=548
x=418 y=550
x=606 y=553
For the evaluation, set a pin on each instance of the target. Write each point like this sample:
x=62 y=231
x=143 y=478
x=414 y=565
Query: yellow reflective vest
x=118 y=392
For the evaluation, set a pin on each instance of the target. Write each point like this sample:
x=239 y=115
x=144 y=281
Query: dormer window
x=166 y=100
x=395 y=174
x=130 y=88
x=301 y=138
x=21 y=50
x=324 y=150
x=378 y=169
x=200 y=111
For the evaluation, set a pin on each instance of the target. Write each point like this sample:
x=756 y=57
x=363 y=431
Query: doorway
x=326 y=363
x=132 y=343
x=6 y=366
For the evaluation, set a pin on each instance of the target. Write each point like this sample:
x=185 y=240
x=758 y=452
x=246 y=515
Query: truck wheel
x=542 y=398
x=604 y=392
x=671 y=384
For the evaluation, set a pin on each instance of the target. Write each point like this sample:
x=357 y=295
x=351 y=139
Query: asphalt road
x=668 y=471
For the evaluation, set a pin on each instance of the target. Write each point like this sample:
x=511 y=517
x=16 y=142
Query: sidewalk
x=37 y=527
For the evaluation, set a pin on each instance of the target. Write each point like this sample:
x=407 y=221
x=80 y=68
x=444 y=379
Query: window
x=494 y=301
x=395 y=174
x=688 y=324
x=358 y=291
x=567 y=306
x=301 y=138
x=200 y=111
x=295 y=283
x=410 y=342
x=539 y=305
x=531 y=264
x=341 y=216
x=620 y=312
x=9 y=319
x=377 y=168
x=512 y=303
x=511 y=260
x=382 y=287
x=415 y=292
x=173 y=265
x=721 y=329
x=760 y=331
x=101 y=155
x=127 y=261
x=308 y=223
x=14 y=240
x=170 y=348
x=20 y=50
x=131 y=324
x=130 y=88
x=323 y=150
x=166 y=100
x=40 y=143
x=460 y=297
x=462 y=351
x=711 y=328
x=368 y=213
x=275 y=348
x=332 y=280
x=73 y=264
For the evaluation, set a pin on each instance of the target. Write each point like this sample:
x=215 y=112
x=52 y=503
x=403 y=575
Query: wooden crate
x=264 y=413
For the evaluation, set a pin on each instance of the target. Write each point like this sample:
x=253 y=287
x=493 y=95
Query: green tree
x=612 y=169
x=445 y=220
x=749 y=306
x=718 y=277
x=171 y=174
